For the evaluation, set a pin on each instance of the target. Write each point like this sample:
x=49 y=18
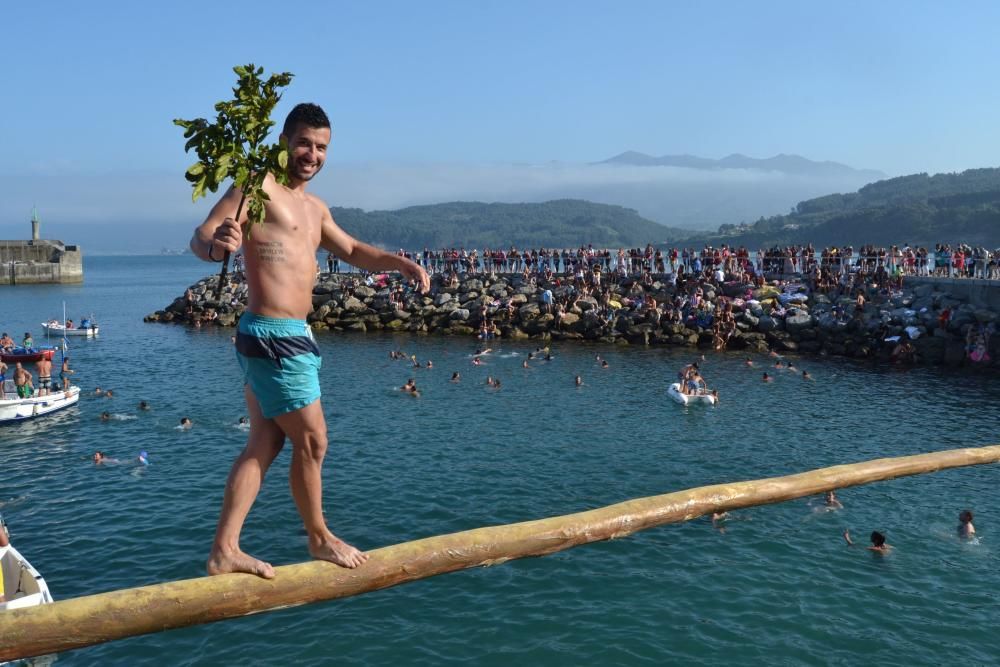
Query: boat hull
x=20 y=409
x=60 y=330
x=22 y=585
x=689 y=399
x=19 y=354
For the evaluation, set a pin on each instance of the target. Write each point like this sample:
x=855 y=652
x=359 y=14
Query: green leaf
x=196 y=169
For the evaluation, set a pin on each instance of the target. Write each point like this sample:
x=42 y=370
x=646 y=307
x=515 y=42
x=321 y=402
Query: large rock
x=364 y=292
x=766 y=323
x=354 y=306
x=528 y=311
x=796 y=323
x=460 y=314
x=442 y=298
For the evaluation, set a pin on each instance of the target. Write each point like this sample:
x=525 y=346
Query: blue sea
x=773 y=585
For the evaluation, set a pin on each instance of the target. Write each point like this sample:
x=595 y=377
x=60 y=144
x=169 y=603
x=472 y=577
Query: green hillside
x=917 y=209
x=554 y=224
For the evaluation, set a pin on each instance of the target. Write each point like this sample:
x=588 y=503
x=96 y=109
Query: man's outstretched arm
x=365 y=256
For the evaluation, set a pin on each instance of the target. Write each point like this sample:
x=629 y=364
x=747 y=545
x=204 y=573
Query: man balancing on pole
x=275 y=346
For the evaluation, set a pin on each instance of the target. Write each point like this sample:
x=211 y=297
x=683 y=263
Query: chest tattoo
x=271 y=251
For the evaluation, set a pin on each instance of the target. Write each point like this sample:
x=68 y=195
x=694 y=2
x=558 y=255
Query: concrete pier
x=39 y=261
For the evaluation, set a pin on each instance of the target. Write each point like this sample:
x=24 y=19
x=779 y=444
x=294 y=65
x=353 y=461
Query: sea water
x=772 y=585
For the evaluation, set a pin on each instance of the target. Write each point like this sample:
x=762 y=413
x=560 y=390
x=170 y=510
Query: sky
x=441 y=99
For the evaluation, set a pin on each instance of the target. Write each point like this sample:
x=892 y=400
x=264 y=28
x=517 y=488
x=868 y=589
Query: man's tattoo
x=271 y=251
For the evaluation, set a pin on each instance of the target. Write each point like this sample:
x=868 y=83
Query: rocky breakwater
x=912 y=326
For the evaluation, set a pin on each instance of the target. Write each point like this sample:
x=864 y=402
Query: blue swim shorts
x=280 y=362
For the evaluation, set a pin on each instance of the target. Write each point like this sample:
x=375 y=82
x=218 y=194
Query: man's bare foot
x=337 y=551
x=237 y=561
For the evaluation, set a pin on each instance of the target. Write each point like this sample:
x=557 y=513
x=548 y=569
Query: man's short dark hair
x=306 y=113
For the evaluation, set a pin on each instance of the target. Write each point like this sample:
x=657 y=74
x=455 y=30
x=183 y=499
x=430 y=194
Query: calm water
x=777 y=587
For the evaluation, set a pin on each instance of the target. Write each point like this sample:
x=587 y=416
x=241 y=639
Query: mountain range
x=794 y=165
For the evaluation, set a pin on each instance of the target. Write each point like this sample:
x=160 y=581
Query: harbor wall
x=40 y=262
x=984 y=293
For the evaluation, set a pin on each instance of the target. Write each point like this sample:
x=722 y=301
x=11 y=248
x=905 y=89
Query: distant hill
x=561 y=223
x=787 y=164
x=917 y=209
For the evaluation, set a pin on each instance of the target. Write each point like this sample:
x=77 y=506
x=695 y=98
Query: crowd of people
x=945 y=260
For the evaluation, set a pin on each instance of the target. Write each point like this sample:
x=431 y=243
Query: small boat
x=687 y=399
x=54 y=328
x=20 y=583
x=13 y=409
x=27 y=355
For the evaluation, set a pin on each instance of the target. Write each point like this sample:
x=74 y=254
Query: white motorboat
x=14 y=409
x=53 y=328
x=20 y=583
x=688 y=399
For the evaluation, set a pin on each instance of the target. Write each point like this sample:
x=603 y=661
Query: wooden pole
x=94 y=619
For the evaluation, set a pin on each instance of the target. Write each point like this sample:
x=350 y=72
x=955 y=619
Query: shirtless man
x=22 y=380
x=44 y=367
x=3 y=379
x=282 y=394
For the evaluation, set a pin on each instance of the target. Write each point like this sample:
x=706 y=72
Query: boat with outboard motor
x=87 y=329
x=16 y=409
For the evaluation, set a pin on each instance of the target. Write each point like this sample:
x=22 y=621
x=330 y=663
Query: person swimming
x=105 y=416
x=966 y=530
x=143 y=405
x=456 y=377
x=748 y=362
x=604 y=364
x=579 y=381
x=186 y=423
x=832 y=502
x=143 y=458
x=879 y=545
x=410 y=387
x=767 y=378
x=806 y=376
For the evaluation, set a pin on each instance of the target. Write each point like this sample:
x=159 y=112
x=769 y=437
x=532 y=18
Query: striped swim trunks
x=280 y=362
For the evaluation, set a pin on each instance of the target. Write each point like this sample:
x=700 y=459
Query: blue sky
x=90 y=89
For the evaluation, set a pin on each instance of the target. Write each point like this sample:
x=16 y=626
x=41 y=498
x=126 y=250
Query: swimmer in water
x=456 y=377
x=767 y=378
x=604 y=364
x=476 y=361
x=99 y=458
x=879 y=544
x=98 y=391
x=791 y=367
x=186 y=423
x=715 y=395
x=524 y=364
x=806 y=376
x=143 y=458
x=489 y=381
x=778 y=365
x=496 y=384
x=966 y=530
x=430 y=364
x=749 y=362
x=244 y=422
x=109 y=394
x=579 y=381
x=143 y=405
x=832 y=502
x=105 y=416
x=410 y=387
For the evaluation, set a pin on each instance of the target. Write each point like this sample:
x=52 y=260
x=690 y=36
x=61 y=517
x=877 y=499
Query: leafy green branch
x=233 y=147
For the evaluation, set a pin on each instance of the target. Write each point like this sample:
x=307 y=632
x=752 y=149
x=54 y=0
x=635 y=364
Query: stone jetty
x=919 y=325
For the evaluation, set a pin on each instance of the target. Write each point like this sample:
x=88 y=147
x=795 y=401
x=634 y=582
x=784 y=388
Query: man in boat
x=44 y=367
x=275 y=347
x=6 y=342
x=23 y=381
x=64 y=374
